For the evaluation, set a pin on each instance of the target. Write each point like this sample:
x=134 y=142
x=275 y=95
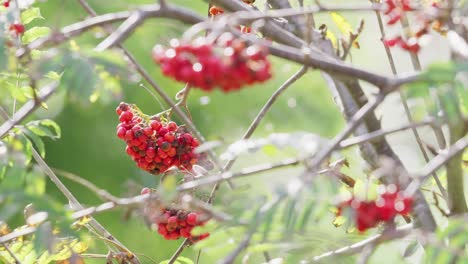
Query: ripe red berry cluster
x=227 y=63
x=154 y=144
x=368 y=214
x=394 y=11
x=173 y=224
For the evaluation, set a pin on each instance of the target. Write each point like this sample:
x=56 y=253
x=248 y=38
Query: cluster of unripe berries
x=227 y=63
x=155 y=144
x=394 y=11
x=173 y=224
x=216 y=10
x=368 y=214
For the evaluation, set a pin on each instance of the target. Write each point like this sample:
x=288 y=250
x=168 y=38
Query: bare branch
x=17 y=233
x=75 y=204
x=436 y=163
x=101 y=193
x=358 y=247
x=253 y=126
x=146 y=11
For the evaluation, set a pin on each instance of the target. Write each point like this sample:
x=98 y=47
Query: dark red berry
x=155 y=146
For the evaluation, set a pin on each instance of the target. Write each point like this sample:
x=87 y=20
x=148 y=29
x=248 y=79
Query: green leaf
x=35 y=183
x=54 y=75
x=462 y=91
x=45 y=127
x=36 y=140
x=27 y=148
x=179 y=260
x=34 y=33
x=441 y=72
x=79 y=77
x=28 y=15
x=307 y=212
x=417 y=89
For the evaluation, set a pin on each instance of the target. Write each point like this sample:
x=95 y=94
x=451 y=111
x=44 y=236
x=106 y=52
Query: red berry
x=121 y=132
x=126 y=116
x=214 y=11
x=192 y=219
x=18 y=29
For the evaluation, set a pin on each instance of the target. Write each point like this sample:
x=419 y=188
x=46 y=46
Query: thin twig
x=253 y=126
x=179 y=250
x=374 y=135
x=101 y=193
x=7 y=248
x=436 y=163
x=404 y=102
x=357 y=247
x=188 y=14
x=76 y=205
x=17 y=233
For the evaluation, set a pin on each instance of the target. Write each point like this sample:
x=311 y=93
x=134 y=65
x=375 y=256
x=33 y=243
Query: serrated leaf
x=28 y=15
x=34 y=33
x=79 y=77
x=45 y=127
x=307 y=212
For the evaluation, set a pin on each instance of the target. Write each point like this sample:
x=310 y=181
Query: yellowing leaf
x=332 y=39
x=344 y=26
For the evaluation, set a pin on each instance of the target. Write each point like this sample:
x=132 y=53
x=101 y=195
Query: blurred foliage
x=83 y=110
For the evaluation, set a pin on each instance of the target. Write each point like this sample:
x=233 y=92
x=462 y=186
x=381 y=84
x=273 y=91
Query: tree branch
x=75 y=204
x=358 y=247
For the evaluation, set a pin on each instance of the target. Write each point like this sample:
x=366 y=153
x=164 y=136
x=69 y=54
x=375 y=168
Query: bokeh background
x=89 y=147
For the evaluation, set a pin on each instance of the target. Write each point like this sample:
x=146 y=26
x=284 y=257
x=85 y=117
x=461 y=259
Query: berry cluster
x=16 y=28
x=370 y=213
x=155 y=144
x=227 y=63
x=394 y=11
x=173 y=224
